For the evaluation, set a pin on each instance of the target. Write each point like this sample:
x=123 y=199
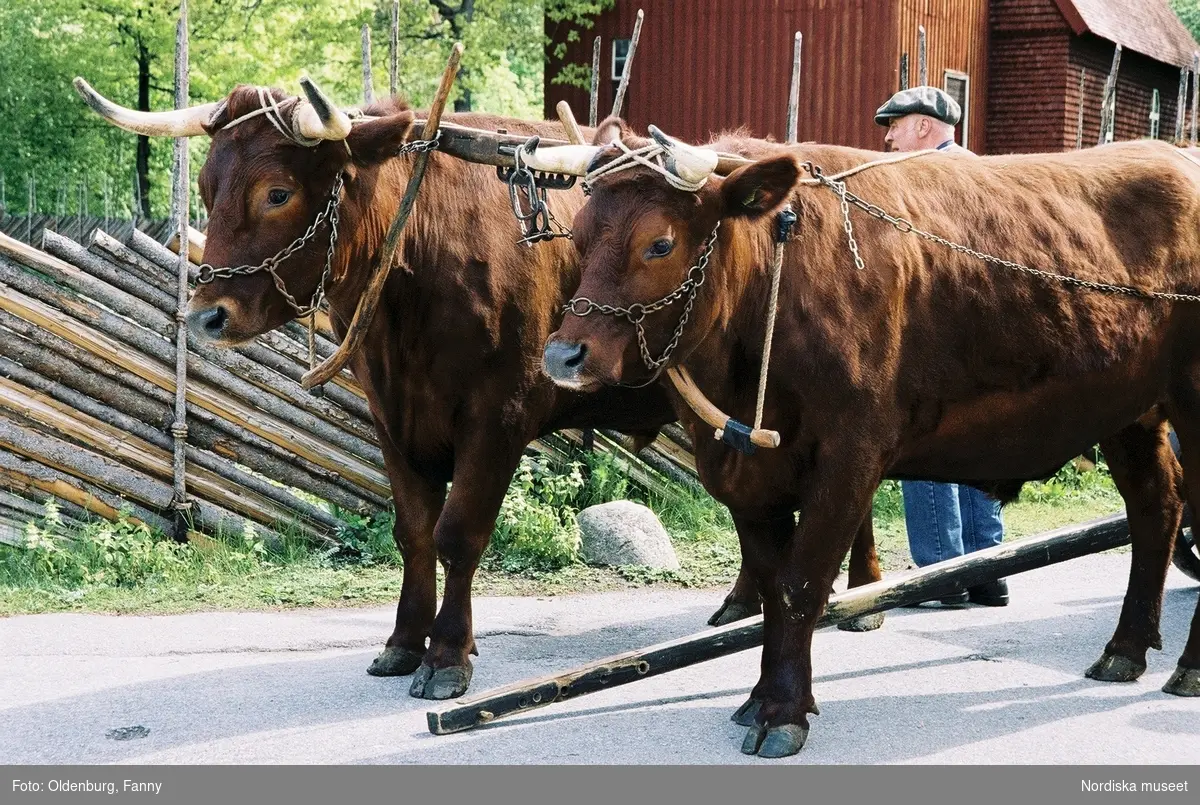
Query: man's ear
x=378 y=140
x=755 y=190
x=611 y=128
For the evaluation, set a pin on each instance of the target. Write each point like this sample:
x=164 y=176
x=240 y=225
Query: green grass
x=124 y=568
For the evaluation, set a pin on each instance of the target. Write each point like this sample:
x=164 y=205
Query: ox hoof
x=732 y=611
x=1115 y=668
x=395 y=661
x=774 y=742
x=440 y=683
x=865 y=623
x=1184 y=682
x=744 y=715
x=783 y=741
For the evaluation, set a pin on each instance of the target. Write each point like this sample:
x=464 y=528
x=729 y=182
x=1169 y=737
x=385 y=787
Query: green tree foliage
x=1189 y=12
x=125 y=49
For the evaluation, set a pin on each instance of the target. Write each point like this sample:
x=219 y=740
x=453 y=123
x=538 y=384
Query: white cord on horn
x=650 y=156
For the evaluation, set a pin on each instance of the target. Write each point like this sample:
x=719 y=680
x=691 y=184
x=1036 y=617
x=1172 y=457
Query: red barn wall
x=704 y=66
x=956 y=39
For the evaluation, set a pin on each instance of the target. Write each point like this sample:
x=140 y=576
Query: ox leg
x=1147 y=476
x=461 y=535
x=834 y=508
x=418 y=502
x=744 y=601
x=763 y=540
x=864 y=569
x=1184 y=411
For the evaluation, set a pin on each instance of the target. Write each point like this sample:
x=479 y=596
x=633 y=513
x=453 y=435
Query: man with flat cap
x=943 y=520
x=919 y=119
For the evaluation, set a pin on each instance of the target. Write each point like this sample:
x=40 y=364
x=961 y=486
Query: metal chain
x=905 y=226
x=539 y=223
x=208 y=273
x=636 y=313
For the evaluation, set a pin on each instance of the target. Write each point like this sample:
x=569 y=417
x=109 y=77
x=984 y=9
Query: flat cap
x=929 y=101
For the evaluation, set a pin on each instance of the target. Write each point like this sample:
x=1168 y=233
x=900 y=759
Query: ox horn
x=693 y=165
x=571 y=160
x=320 y=119
x=178 y=123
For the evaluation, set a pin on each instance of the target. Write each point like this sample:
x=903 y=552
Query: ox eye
x=659 y=248
x=277 y=197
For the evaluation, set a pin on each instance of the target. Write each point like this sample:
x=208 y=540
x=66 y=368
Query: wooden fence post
x=1108 y=106
x=1181 y=101
x=179 y=427
x=368 y=81
x=594 y=102
x=394 y=50
x=922 y=58
x=793 y=122
x=1195 y=92
x=1079 y=120
x=619 y=103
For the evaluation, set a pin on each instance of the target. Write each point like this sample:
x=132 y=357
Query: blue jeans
x=948 y=520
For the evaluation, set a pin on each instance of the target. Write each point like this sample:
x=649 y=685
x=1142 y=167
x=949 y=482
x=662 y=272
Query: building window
x=620 y=53
x=958 y=87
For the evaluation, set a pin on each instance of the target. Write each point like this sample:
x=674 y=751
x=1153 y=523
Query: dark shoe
x=991 y=594
x=950 y=599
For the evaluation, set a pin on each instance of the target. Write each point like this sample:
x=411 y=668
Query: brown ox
x=926 y=364
x=451 y=366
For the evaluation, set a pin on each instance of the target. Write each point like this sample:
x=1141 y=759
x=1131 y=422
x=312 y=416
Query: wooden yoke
x=365 y=312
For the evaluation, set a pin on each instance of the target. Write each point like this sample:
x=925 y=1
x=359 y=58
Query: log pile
x=87 y=384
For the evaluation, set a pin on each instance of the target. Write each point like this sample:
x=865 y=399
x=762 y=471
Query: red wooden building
x=706 y=65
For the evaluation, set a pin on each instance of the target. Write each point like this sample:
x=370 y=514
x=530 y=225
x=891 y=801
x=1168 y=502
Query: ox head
x=643 y=237
x=272 y=169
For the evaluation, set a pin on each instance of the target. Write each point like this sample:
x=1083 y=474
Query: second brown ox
x=925 y=364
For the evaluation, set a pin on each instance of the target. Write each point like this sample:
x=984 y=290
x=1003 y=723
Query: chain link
x=907 y=227
x=636 y=313
x=208 y=273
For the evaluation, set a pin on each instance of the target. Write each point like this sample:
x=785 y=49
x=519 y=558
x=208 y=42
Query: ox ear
x=611 y=128
x=378 y=140
x=755 y=190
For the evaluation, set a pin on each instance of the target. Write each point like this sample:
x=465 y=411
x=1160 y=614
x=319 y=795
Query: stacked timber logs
x=87 y=385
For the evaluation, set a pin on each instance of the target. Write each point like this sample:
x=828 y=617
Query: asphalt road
x=933 y=686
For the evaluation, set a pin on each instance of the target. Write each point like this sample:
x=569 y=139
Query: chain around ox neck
x=636 y=313
x=208 y=273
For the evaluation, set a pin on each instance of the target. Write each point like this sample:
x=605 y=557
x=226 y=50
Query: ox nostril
x=574 y=359
x=564 y=360
x=212 y=321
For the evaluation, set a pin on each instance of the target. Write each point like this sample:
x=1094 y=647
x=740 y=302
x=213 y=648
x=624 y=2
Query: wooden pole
x=793 y=113
x=922 y=63
x=368 y=81
x=972 y=569
x=1195 y=92
x=1155 y=114
x=394 y=50
x=594 y=95
x=1108 y=105
x=1181 y=105
x=369 y=301
x=567 y=118
x=904 y=71
x=1079 y=118
x=623 y=87
x=179 y=502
